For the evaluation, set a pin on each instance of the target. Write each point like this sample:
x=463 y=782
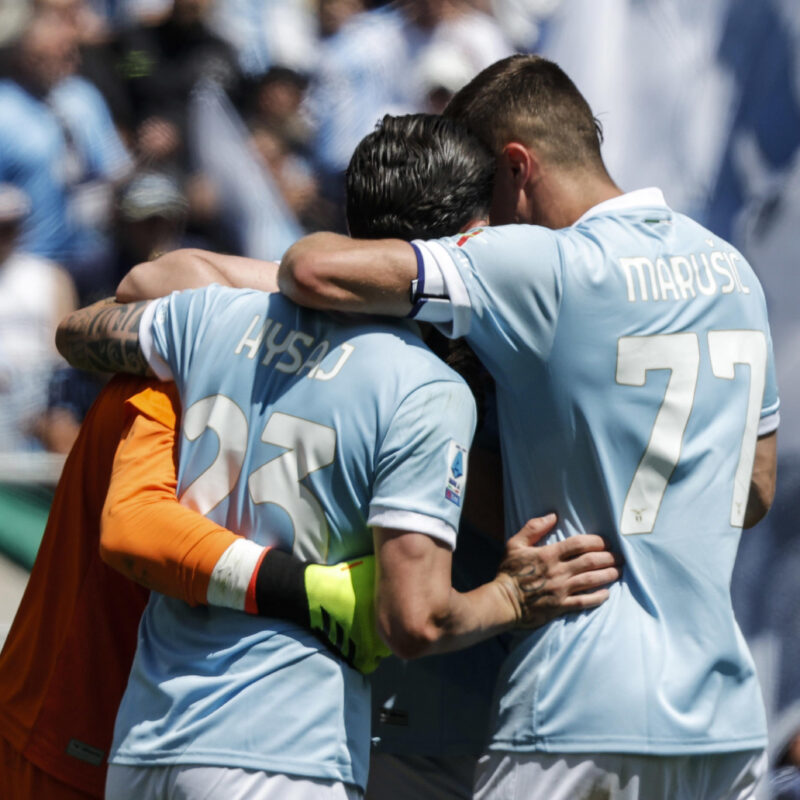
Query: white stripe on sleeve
x=147 y=345
x=769 y=423
x=414 y=522
x=231 y=575
x=441 y=274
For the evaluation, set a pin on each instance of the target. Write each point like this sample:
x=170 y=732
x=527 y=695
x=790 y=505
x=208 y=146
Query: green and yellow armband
x=337 y=602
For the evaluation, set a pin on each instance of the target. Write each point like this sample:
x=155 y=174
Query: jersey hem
x=611 y=744
x=216 y=758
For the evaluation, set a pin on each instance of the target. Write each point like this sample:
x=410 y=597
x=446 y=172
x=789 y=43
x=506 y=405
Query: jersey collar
x=648 y=198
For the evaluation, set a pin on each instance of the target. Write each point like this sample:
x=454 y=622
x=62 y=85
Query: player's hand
x=341 y=605
x=554 y=579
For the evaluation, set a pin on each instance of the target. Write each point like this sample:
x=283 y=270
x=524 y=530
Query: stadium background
x=227 y=124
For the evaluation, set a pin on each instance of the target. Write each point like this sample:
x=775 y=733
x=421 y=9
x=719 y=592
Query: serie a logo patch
x=456 y=473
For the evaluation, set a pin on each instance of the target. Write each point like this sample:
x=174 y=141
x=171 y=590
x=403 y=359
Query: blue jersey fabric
x=633 y=364
x=298 y=431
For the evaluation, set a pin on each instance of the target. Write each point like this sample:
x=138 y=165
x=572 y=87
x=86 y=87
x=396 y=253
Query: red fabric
x=250 y=604
x=68 y=653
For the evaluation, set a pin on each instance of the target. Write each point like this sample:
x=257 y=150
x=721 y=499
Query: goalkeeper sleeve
x=149 y=536
x=336 y=602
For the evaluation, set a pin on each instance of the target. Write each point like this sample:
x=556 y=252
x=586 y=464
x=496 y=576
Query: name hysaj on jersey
x=304 y=352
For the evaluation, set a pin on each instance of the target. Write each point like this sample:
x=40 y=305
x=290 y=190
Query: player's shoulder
x=396 y=351
x=215 y=294
x=496 y=245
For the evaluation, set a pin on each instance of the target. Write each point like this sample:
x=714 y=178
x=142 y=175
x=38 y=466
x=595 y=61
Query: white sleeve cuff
x=446 y=300
x=232 y=573
x=769 y=423
x=147 y=345
x=412 y=521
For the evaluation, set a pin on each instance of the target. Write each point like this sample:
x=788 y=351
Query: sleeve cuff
x=441 y=296
x=413 y=521
x=230 y=579
x=147 y=344
x=769 y=423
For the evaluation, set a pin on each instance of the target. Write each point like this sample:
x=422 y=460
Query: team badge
x=467 y=236
x=456 y=473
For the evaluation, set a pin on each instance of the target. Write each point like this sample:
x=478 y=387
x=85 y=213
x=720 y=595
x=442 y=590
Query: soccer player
x=636 y=392
x=309 y=469
x=66 y=659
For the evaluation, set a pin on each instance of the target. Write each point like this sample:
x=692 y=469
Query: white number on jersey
x=309 y=447
x=680 y=354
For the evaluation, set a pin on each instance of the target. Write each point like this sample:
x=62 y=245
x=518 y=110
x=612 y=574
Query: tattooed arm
x=104 y=337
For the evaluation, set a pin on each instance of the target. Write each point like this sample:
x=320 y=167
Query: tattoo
x=529 y=579
x=104 y=337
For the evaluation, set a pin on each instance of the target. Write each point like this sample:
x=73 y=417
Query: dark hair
x=417 y=176
x=530 y=99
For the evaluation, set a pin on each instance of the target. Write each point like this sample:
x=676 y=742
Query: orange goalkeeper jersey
x=67 y=656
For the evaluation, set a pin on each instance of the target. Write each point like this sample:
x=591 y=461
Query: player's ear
x=520 y=164
x=518 y=170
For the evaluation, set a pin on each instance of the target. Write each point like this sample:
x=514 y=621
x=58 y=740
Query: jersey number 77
x=680 y=354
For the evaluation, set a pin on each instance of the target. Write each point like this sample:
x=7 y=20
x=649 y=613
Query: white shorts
x=182 y=782
x=619 y=776
x=407 y=777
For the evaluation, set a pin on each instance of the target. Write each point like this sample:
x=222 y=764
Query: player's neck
x=560 y=202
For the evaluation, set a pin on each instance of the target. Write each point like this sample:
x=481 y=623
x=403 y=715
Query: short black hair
x=418 y=176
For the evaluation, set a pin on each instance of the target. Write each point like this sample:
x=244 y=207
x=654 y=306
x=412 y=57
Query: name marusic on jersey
x=303 y=350
x=682 y=277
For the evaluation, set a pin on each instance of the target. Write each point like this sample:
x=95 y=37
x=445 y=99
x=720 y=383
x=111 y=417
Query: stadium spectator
x=784 y=781
x=150 y=219
x=33 y=148
x=70 y=395
x=161 y=64
x=333 y=15
x=96 y=39
x=34 y=295
x=371 y=67
x=275 y=102
x=60 y=146
x=573 y=344
x=268 y=33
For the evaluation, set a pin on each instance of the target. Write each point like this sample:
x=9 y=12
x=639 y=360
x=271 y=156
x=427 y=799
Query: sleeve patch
x=456 y=473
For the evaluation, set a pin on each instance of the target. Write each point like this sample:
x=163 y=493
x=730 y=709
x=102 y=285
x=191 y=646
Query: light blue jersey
x=634 y=370
x=299 y=431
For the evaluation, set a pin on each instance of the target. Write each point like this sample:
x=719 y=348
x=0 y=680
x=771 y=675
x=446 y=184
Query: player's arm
x=762 y=483
x=327 y=270
x=151 y=538
x=104 y=337
x=420 y=613
x=193 y=269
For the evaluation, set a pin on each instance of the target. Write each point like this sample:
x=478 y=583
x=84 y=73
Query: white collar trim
x=651 y=196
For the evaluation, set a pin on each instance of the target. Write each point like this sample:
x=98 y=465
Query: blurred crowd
x=132 y=127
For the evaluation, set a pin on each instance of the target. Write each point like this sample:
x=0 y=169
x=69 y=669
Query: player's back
x=631 y=360
x=657 y=378
x=299 y=431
